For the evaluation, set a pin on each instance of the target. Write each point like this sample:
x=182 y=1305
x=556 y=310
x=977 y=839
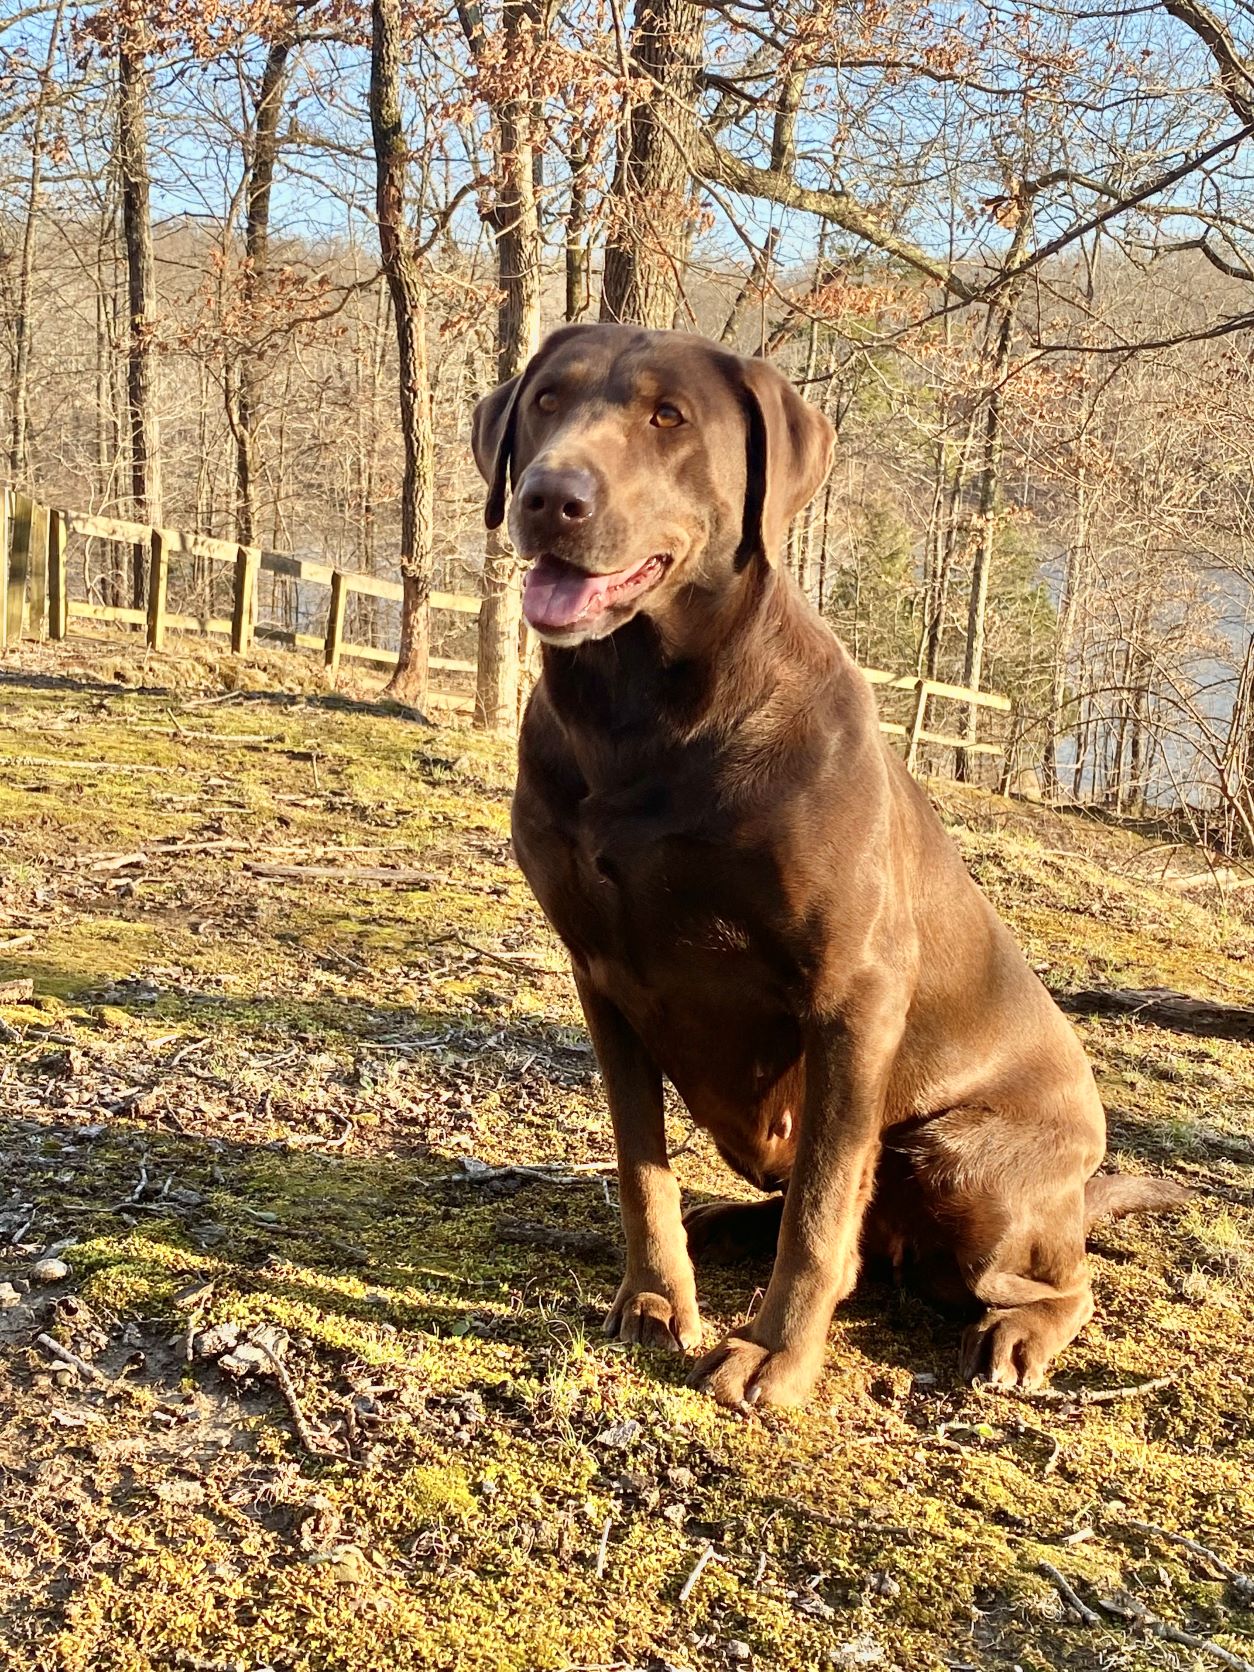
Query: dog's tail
x=1112 y=1195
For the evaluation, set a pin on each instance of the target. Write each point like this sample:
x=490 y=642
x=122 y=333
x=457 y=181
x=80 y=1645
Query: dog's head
x=642 y=463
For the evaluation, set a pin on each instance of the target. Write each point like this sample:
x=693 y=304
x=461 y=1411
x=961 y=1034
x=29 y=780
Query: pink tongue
x=557 y=595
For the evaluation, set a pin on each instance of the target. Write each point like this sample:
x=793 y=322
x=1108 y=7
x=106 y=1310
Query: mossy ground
x=246 y=1101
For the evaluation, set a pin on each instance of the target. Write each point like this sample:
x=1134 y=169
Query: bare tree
x=403 y=270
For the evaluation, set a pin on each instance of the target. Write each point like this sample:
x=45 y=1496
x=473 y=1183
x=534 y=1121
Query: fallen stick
x=87 y=1371
x=1243 y=1582
x=1129 y=1610
x=703 y=1561
x=529 y=1235
x=1079 y=1396
x=87 y=766
x=118 y=862
x=304 y=1433
x=516 y=966
x=381 y=876
x=603 y=1549
x=1068 y=1595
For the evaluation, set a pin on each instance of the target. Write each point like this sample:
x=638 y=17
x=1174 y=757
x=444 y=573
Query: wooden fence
x=35 y=603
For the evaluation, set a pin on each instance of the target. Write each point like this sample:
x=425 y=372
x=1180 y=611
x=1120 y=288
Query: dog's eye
x=547 y=401
x=667 y=417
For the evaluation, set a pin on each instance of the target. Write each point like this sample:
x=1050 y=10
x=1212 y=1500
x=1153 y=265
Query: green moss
x=296 y=1072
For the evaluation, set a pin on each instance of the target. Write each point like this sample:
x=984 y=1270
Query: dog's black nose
x=556 y=502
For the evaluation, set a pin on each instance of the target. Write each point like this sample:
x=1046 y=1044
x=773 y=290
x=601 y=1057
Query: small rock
x=883 y=1585
x=738 y=1650
x=212 y=1343
x=815 y=1607
x=345 y=1563
x=676 y=1514
x=9 y=1296
x=619 y=1435
x=683 y=1480
x=859 y=1651
x=49 y=1271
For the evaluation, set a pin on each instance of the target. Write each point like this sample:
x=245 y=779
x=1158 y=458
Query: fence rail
x=35 y=602
x=34 y=598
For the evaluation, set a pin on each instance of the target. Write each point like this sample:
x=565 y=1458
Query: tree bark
x=265 y=150
x=986 y=520
x=19 y=419
x=141 y=372
x=578 y=274
x=650 y=225
x=515 y=224
x=408 y=291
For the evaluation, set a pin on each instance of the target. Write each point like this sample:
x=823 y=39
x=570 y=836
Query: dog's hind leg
x=1008 y=1190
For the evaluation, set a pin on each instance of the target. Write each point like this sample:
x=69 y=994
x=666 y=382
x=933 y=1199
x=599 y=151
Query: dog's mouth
x=557 y=595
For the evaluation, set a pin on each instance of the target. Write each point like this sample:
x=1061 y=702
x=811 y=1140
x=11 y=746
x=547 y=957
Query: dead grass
x=243 y=1102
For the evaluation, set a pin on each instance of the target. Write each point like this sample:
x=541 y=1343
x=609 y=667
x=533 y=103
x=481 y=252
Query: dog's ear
x=492 y=442
x=789 y=453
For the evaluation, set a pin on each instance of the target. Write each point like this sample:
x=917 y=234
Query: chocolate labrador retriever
x=758 y=901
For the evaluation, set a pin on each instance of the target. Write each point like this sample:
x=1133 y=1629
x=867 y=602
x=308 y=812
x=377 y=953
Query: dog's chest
x=661 y=901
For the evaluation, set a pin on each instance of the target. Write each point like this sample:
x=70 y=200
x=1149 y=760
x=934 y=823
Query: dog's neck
x=693 y=679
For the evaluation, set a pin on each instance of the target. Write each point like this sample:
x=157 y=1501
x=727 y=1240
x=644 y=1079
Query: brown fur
x=760 y=903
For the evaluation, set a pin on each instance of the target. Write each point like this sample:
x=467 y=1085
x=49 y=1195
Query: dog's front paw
x=742 y=1373
x=650 y=1313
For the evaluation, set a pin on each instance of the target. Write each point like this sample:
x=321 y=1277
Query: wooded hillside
x=258 y=260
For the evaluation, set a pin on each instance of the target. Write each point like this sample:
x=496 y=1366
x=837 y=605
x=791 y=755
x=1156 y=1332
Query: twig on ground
x=88 y=766
x=88 y=1372
x=517 y=966
x=1125 y=1608
x=699 y=1567
x=1077 y=1396
x=1068 y=1595
x=304 y=1433
x=185 y=1051
x=530 y=1235
x=603 y=1549
x=381 y=875
x=1243 y=1582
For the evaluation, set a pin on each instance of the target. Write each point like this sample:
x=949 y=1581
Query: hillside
x=259 y=1091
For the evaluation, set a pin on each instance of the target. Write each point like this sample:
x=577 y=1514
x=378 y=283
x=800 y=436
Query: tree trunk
x=256 y=275
x=578 y=273
x=141 y=375
x=19 y=418
x=650 y=210
x=986 y=519
x=1074 y=569
x=515 y=225
x=407 y=287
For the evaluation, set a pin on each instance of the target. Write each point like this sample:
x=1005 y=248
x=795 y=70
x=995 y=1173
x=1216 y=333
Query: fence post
x=5 y=519
x=247 y=560
x=917 y=719
x=158 y=578
x=58 y=591
x=38 y=572
x=335 y=623
x=19 y=558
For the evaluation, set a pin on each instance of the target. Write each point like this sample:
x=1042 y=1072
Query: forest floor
x=343 y=1399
